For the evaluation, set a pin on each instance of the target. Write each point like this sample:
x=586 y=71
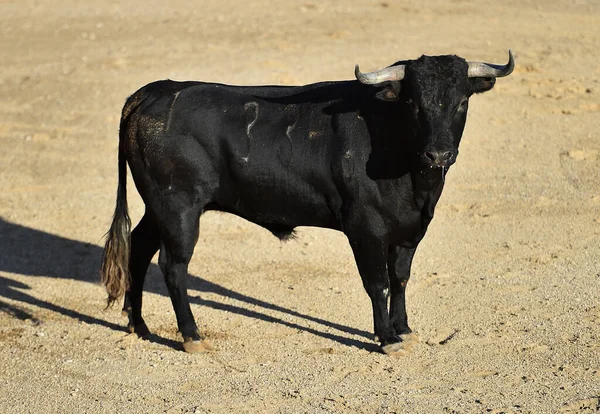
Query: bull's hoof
x=197 y=346
x=141 y=330
x=402 y=348
x=397 y=349
x=411 y=338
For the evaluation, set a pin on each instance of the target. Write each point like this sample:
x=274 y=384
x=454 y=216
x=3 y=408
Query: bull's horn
x=392 y=73
x=487 y=70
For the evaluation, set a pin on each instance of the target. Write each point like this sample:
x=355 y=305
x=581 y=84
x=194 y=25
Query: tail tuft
x=114 y=271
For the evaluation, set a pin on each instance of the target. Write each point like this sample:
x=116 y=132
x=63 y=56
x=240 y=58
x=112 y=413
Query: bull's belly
x=270 y=207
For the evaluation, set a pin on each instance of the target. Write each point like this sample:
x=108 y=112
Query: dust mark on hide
x=251 y=106
x=251 y=110
x=285 y=151
x=175 y=96
x=313 y=134
x=347 y=164
x=289 y=129
x=150 y=125
x=133 y=102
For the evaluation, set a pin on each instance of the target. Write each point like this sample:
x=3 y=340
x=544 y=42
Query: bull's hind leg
x=145 y=241
x=179 y=234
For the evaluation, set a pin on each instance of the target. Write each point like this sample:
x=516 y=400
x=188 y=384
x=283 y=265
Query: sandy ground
x=504 y=292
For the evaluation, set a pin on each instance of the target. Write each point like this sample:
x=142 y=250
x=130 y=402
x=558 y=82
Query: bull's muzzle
x=439 y=157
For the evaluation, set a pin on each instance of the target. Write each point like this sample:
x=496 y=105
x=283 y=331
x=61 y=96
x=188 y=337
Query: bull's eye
x=463 y=105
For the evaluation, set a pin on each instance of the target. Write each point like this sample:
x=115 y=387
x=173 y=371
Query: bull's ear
x=390 y=92
x=480 y=85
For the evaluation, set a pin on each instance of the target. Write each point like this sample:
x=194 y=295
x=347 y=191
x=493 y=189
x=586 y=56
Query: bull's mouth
x=432 y=172
x=435 y=164
x=428 y=167
x=429 y=162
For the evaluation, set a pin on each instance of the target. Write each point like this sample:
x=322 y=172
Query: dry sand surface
x=504 y=292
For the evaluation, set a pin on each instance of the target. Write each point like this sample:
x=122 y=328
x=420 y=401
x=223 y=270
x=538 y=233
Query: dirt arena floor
x=505 y=286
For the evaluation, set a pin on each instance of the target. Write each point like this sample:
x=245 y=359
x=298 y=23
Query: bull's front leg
x=371 y=259
x=399 y=263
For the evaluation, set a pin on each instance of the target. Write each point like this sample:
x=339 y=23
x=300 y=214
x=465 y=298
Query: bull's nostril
x=433 y=156
x=439 y=157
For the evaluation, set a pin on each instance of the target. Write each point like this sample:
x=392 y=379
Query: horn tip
x=511 y=62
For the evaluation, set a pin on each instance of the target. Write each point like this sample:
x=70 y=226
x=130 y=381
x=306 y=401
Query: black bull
x=365 y=157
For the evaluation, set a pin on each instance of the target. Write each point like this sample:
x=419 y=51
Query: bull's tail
x=114 y=272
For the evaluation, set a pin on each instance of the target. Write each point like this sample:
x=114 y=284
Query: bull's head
x=435 y=91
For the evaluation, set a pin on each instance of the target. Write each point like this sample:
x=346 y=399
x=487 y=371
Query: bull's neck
x=392 y=148
x=427 y=186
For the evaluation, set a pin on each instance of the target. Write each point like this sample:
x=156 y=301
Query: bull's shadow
x=32 y=252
